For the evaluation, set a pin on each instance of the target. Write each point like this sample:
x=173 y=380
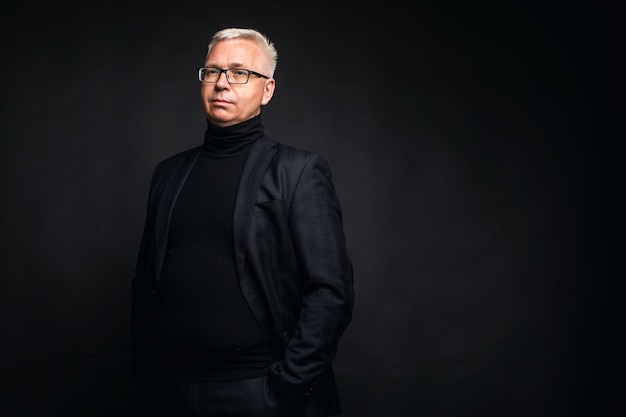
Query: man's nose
x=222 y=81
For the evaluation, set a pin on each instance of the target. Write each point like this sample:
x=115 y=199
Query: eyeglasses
x=233 y=75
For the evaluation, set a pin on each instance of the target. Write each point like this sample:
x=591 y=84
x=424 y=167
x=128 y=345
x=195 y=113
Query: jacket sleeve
x=140 y=287
x=316 y=228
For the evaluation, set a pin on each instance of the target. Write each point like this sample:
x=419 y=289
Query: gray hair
x=252 y=34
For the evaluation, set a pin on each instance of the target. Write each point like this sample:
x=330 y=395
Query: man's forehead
x=235 y=53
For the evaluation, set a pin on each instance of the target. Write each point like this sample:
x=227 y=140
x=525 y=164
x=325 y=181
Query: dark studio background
x=483 y=194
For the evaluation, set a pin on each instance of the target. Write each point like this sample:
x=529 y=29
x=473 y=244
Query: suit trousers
x=163 y=397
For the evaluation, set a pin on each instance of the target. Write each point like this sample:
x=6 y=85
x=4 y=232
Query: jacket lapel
x=171 y=190
x=261 y=153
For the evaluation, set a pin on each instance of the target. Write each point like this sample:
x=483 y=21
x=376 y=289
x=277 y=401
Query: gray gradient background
x=482 y=197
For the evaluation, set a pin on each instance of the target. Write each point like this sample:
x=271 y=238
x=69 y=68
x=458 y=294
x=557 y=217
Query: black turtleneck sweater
x=205 y=329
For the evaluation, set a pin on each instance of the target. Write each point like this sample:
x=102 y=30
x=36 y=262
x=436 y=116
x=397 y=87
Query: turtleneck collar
x=232 y=140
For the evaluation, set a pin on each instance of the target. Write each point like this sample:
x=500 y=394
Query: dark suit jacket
x=293 y=265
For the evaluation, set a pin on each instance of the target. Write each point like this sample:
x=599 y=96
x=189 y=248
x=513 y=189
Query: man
x=243 y=285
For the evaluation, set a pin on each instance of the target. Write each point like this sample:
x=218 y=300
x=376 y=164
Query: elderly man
x=243 y=285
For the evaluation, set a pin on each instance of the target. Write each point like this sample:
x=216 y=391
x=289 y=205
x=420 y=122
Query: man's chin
x=221 y=121
x=220 y=118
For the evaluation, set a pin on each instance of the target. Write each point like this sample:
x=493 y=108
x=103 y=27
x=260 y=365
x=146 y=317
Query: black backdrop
x=474 y=148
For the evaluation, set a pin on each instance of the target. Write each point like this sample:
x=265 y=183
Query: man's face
x=227 y=104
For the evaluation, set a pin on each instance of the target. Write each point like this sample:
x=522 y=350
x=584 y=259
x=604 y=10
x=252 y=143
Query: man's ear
x=268 y=91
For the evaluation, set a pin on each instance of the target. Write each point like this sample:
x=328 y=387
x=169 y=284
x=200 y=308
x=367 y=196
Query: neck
x=232 y=140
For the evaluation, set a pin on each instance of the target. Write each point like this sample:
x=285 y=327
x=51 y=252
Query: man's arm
x=316 y=229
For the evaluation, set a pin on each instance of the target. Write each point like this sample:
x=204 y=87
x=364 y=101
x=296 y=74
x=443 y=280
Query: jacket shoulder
x=177 y=159
x=294 y=155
